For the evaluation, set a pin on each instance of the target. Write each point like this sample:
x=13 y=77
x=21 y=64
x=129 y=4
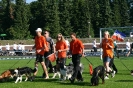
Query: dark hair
x=46 y=31
x=74 y=34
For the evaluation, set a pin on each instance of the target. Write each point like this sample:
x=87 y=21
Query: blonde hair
x=107 y=33
x=62 y=38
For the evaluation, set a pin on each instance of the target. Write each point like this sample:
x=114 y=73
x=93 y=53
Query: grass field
x=123 y=79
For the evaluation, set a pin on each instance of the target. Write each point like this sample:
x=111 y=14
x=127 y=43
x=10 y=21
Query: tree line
x=19 y=20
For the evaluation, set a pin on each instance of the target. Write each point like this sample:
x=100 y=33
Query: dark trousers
x=76 y=63
x=61 y=62
x=47 y=61
x=112 y=65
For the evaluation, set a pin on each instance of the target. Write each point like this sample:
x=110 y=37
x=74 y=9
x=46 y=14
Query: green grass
x=123 y=79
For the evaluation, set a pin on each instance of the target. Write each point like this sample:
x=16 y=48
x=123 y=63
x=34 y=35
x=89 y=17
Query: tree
x=19 y=30
x=53 y=21
x=64 y=14
x=8 y=17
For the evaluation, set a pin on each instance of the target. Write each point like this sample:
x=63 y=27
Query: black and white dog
x=97 y=72
x=19 y=72
x=67 y=72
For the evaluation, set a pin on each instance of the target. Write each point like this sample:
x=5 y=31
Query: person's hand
x=39 y=50
x=69 y=56
x=83 y=55
x=59 y=50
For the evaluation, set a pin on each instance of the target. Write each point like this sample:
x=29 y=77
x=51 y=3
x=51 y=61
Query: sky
x=29 y=1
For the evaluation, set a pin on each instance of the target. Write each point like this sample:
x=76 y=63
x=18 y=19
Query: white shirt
x=7 y=47
x=0 y=47
x=67 y=42
x=15 y=46
x=19 y=47
x=94 y=43
x=128 y=45
x=22 y=47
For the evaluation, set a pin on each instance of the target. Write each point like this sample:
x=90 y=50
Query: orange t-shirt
x=107 y=51
x=40 y=42
x=61 y=45
x=76 y=46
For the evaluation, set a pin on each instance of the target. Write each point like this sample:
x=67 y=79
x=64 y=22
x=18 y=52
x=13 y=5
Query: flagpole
x=100 y=42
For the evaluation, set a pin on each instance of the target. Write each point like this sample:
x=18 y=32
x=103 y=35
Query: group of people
x=17 y=48
x=44 y=46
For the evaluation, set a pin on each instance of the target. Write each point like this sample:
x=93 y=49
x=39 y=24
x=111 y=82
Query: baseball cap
x=38 y=29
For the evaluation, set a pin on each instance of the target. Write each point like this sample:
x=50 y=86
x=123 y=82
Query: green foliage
x=84 y=17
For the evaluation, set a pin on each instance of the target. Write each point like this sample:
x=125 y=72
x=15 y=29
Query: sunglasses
x=59 y=36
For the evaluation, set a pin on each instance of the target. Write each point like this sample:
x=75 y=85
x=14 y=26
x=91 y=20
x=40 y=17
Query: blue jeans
x=106 y=59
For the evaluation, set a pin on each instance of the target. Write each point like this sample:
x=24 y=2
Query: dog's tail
x=35 y=69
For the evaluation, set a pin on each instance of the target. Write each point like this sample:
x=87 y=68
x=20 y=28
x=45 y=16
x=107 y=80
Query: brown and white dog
x=6 y=75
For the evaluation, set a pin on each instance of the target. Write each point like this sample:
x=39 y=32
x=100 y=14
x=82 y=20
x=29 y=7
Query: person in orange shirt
x=77 y=51
x=61 y=47
x=41 y=47
x=107 y=45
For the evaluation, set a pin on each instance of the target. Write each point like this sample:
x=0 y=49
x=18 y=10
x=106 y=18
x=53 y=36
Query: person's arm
x=66 y=48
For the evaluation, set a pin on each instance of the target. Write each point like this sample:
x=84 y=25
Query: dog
x=6 y=75
x=97 y=72
x=67 y=72
x=27 y=71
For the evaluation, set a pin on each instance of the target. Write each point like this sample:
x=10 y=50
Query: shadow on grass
x=124 y=81
x=76 y=83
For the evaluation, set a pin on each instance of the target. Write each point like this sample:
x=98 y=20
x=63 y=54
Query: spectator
x=77 y=51
x=107 y=46
x=130 y=50
x=19 y=51
x=41 y=47
x=128 y=46
x=67 y=42
x=0 y=49
x=94 y=45
x=14 y=46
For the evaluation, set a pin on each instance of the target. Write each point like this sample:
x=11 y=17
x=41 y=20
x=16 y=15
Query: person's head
x=106 y=35
x=128 y=40
x=46 y=33
x=60 y=37
x=38 y=31
x=73 y=36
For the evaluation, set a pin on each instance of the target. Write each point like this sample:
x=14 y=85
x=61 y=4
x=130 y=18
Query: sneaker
x=106 y=77
x=47 y=78
x=113 y=74
x=71 y=80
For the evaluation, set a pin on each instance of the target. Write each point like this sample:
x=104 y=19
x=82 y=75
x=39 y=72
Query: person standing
x=77 y=51
x=14 y=46
x=61 y=48
x=41 y=47
x=7 y=48
x=128 y=47
x=94 y=45
x=51 y=50
x=1 y=49
x=107 y=45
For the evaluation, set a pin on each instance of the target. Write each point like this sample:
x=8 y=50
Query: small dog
x=97 y=72
x=19 y=72
x=6 y=75
x=67 y=72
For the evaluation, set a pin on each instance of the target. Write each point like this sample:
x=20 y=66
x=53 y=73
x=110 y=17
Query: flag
x=52 y=57
x=119 y=36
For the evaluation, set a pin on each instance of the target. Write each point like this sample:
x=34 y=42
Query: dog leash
x=88 y=60
x=14 y=64
x=125 y=65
